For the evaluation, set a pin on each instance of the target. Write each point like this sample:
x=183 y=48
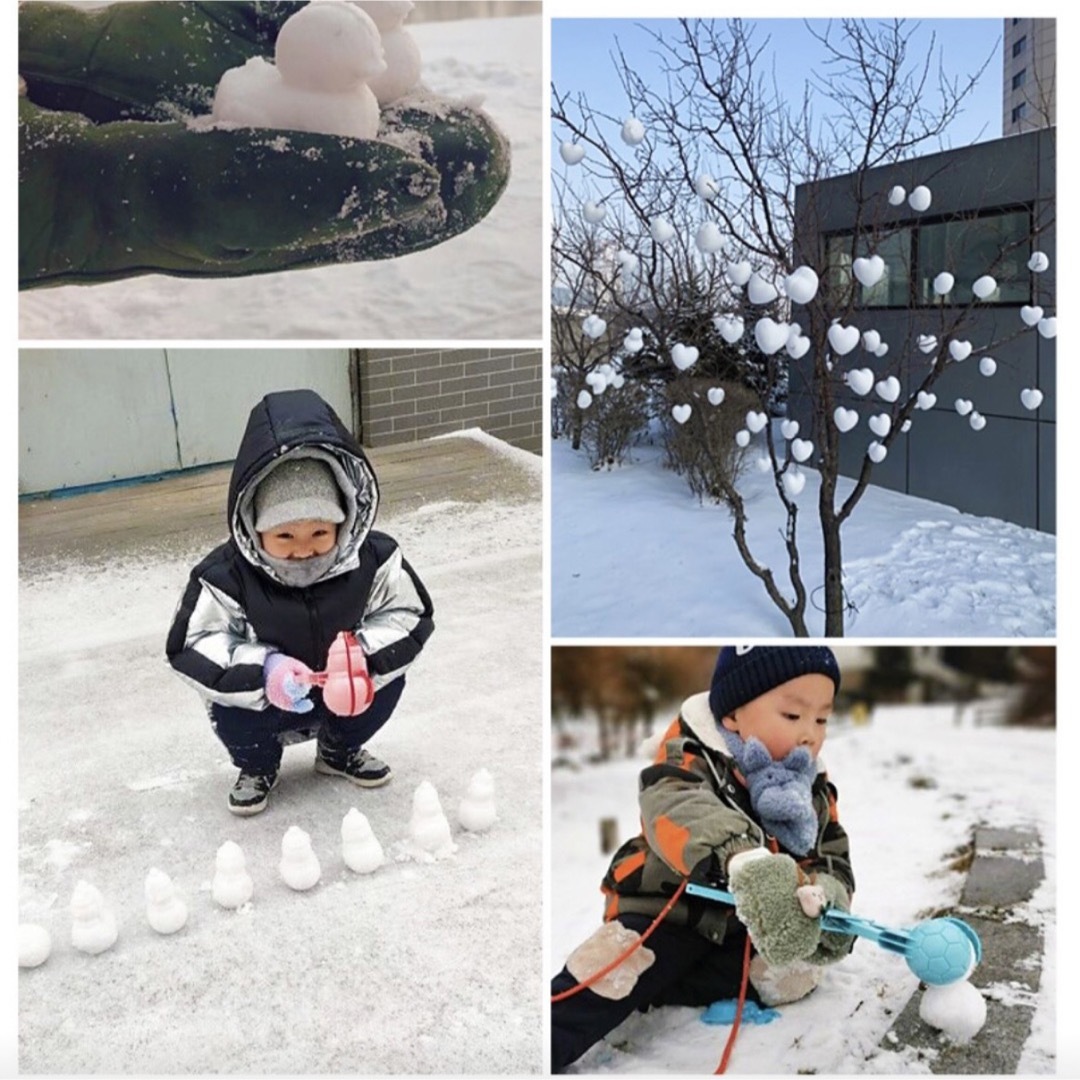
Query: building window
x=1019 y=45
x=1019 y=112
x=894 y=288
x=1019 y=79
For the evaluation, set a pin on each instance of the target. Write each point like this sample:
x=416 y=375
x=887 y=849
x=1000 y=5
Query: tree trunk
x=834 y=577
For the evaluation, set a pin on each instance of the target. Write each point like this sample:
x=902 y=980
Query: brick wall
x=412 y=394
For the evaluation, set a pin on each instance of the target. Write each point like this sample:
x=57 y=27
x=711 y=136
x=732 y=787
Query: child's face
x=790 y=715
x=299 y=539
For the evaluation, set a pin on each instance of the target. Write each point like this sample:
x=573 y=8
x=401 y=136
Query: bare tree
x=769 y=176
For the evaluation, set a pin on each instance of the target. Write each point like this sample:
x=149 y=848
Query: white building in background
x=1029 y=68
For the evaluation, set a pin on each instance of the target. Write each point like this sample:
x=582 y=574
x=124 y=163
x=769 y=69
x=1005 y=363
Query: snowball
x=957 y=1009
x=35 y=944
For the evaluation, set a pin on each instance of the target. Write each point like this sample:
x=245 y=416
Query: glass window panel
x=1019 y=79
x=998 y=245
x=1019 y=45
x=894 y=288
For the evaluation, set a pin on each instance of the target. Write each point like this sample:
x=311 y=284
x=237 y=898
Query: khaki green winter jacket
x=695 y=815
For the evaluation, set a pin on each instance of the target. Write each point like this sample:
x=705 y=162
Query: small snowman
x=428 y=828
x=956 y=1009
x=232 y=885
x=93 y=925
x=476 y=811
x=399 y=49
x=325 y=55
x=35 y=944
x=360 y=847
x=166 y=911
x=299 y=866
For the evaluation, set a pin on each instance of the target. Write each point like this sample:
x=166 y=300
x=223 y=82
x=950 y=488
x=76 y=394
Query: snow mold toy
x=346 y=686
x=938 y=951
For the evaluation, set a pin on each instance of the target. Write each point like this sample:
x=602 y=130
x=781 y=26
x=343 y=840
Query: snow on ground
x=421 y=967
x=913 y=567
x=484 y=285
x=913 y=784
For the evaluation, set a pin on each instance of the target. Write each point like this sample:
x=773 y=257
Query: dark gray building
x=992 y=207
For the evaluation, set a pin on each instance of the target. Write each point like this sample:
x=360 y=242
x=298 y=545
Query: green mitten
x=764 y=887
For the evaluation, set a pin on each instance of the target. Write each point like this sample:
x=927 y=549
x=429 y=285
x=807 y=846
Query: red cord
x=598 y=975
x=722 y=1067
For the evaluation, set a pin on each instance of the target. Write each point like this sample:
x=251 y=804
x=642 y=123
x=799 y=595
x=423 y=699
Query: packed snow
x=912 y=567
x=913 y=783
x=484 y=285
x=414 y=966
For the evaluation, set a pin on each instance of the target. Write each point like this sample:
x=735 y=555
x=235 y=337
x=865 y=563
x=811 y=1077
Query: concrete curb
x=1005 y=873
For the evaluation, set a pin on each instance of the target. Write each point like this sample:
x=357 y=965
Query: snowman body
x=299 y=866
x=360 y=848
x=93 y=925
x=232 y=886
x=35 y=944
x=476 y=811
x=166 y=911
x=428 y=827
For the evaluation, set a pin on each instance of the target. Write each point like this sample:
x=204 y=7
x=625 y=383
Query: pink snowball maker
x=347 y=688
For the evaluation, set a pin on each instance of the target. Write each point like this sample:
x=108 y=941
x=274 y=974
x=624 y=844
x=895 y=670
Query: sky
x=581 y=61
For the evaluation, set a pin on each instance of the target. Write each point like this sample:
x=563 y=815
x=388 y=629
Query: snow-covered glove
x=765 y=887
x=113 y=183
x=832 y=947
x=282 y=677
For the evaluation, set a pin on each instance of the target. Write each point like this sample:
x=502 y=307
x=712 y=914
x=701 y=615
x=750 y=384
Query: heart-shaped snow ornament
x=977 y=421
x=729 y=327
x=633 y=131
x=845 y=419
x=584 y=399
x=742 y=438
x=761 y=291
x=896 y=195
x=681 y=413
x=756 y=421
x=709 y=239
x=888 y=389
x=962 y=406
x=881 y=350
x=880 y=424
x=593 y=212
x=706 y=187
x=927 y=343
x=860 y=380
x=801 y=285
x=716 y=395
x=684 y=356
x=801 y=449
x=943 y=283
x=869 y=271
x=789 y=429
x=987 y=366
x=1031 y=314
x=984 y=287
x=1031 y=398
x=594 y=326
x=905 y=427
x=553 y=387
x=1038 y=262
x=633 y=344
x=661 y=230
x=597 y=380
x=618 y=381
x=919 y=199
x=959 y=350
x=925 y=400
x=797 y=347
x=876 y=452
x=843 y=338
x=770 y=335
x=739 y=272
x=628 y=261
x=763 y=464
x=571 y=152
x=794 y=480
x=1048 y=327
x=871 y=339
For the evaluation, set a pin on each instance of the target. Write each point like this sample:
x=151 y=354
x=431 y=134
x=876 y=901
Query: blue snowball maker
x=723 y=1012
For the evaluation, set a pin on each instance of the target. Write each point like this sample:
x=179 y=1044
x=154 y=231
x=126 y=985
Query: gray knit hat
x=745 y=672
x=298 y=489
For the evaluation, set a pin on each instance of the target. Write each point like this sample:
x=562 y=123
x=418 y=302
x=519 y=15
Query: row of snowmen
x=94 y=927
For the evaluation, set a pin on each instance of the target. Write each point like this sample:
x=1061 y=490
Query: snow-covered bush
x=614 y=420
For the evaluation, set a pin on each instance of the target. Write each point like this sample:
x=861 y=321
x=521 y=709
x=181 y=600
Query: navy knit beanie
x=744 y=672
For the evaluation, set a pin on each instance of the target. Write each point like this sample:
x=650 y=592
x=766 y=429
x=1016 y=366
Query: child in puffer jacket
x=737 y=798
x=302 y=564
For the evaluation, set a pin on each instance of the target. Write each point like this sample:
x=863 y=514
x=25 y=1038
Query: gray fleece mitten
x=766 y=903
x=832 y=947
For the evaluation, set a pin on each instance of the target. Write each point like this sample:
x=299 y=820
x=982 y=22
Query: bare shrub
x=613 y=421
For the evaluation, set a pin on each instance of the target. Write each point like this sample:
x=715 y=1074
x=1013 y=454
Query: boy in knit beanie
x=302 y=565
x=736 y=797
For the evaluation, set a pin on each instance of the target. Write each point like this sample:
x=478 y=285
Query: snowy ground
x=483 y=285
x=913 y=785
x=418 y=968
x=913 y=567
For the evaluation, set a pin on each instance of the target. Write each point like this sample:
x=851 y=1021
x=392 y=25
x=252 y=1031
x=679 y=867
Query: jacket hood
x=299 y=423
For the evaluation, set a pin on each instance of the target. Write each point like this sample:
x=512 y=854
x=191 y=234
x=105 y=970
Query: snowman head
x=330 y=48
